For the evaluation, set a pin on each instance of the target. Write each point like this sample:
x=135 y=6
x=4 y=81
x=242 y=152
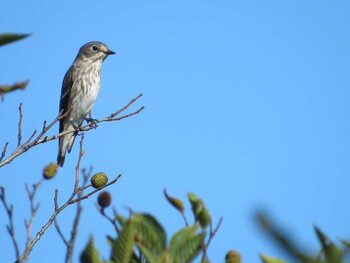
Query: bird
x=80 y=87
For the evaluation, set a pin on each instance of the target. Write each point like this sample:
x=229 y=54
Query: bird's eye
x=95 y=48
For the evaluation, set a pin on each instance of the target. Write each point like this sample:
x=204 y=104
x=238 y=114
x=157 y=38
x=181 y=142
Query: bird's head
x=94 y=51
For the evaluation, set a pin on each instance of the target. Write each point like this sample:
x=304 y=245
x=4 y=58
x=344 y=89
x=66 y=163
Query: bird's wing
x=65 y=93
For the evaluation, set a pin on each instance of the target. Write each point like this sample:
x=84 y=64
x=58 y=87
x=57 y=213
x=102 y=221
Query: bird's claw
x=92 y=122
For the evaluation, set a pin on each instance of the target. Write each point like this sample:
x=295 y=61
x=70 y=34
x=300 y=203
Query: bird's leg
x=91 y=120
x=76 y=129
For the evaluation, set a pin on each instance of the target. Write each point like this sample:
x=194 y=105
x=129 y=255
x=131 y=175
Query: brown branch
x=74 y=232
x=110 y=219
x=88 y=126
x=33 y=210
x=126 y=106
x=59 y=209
x=213 y=233
x=20 y=125
x=58 y=229
x=10 y=227
x=94 y=191
x=4 y=151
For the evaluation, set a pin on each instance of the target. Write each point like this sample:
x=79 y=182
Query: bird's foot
x=92 y=122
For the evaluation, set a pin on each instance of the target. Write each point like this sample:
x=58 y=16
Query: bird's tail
x=65 y=144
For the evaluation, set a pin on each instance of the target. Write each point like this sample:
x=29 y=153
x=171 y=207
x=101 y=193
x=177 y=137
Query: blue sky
x=246 y=105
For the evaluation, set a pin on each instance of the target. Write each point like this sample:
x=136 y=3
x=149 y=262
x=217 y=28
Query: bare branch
x=126 y=106
x=4 y=151
x=20 y=125
x=88 y=126
x=10 y=227
x=110 y=219
x=213 y=232
x=58 y=229
x=58 y=209
x=33 y=210
x=94 y=191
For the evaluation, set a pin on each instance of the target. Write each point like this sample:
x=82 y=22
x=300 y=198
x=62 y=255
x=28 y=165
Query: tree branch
x=33 y=210
x=30 y=143
x=58 y=209
x=10 y=227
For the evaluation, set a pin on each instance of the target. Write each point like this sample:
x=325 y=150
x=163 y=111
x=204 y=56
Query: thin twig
x=113 y=221
x=126 y=106
x=74 y=232
x=59 y=209
x=94 y=191
x=213 y=233
x=33 y=210
x=10 y=227
x=4 y=151
x=88 y=126
x=20 y=125
x=58 y=229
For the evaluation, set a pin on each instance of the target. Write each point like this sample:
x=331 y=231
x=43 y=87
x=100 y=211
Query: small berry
x=50 y=170
x=104 y=199
x=233 y=257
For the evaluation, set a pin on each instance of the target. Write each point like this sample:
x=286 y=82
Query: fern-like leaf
x=90 y=253
x=123 y=246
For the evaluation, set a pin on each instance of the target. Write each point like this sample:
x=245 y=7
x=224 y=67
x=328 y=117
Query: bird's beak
x=110 y=52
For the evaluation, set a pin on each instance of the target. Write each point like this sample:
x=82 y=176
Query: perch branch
x=32 y=142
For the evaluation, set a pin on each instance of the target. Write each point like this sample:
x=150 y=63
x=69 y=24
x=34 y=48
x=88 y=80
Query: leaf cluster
x=330 y=252
x=143 y=239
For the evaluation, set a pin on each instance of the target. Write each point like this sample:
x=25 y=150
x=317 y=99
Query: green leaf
x=11 y=37
x=185 y=244
x=196 y=203
x=149 y=232
x=121 y=219
x=204 y=217
x=123 y=246
x=333 y=254
x=150 y=256
x=268 y=259
x=200 y=212
x=282 y=239
x=183 y=234
x=90 y=253
x=175 y=202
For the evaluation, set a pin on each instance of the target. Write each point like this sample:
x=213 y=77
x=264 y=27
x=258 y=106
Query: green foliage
x=200 y=212
x=122 y=247
x=329 y=253
x=175 y=202
x=6 y=39
x=11 y=37
x=143 y=239
x=185 y=244
x=268 y=259
x=90 y=253
x=332 y=253
x=149 y=232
